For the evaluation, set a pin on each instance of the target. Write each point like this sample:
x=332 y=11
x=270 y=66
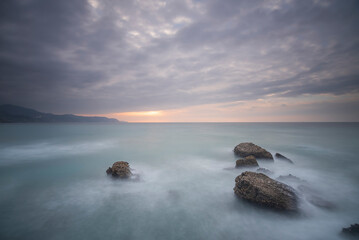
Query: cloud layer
x=98 y=57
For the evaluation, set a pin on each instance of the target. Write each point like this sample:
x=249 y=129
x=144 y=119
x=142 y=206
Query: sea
x=53 y=182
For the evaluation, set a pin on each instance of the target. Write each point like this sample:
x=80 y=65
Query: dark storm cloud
x=106 y=56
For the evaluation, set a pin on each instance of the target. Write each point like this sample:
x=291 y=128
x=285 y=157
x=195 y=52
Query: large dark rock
x=249 y=161
x=246 y=149
x=353 y=230
x=281 y=157
x=120 y=169
x=261 y=189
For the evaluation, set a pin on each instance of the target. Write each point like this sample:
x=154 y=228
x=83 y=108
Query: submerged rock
x=353 y=230
x=249 y=161
x=261 y=189
x=314 y=197
x=120 y=169
x=290 y=178
x=319 y=202
x=265 y=171
x=247 y=148
x=280 y=156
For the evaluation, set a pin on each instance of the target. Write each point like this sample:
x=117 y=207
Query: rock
x=249 y=161
x=261 y=189
x=353 y=230
x=280 y=156
x=319 y=202
x=120 y=169
x=314 y=198
x=246 y=149
x=290 y=178
x=265 y=171
x=306 y=189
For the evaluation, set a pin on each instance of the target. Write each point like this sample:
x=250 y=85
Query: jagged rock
x=280 y=156
x=265 y=171
x=246 y=149
x=120 y=169
x=314 y=198
x=353 y=230
x=249 y=161
x=261 y=189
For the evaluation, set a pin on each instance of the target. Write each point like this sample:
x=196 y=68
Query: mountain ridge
x=16 y=114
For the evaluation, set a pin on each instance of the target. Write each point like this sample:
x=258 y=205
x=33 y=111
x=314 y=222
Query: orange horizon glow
x=260 y=110
x=141 y=114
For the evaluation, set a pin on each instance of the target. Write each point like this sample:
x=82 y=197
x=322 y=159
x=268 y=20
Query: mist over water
x=53 y=183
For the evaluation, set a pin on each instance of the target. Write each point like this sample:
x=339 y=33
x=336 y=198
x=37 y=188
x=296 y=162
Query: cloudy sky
x=185 y=60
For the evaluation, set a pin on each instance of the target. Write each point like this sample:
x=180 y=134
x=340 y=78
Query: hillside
x=16 y=114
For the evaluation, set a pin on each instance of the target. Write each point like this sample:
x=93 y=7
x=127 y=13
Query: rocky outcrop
x=249 y=161
x=261 y=189
x=265 y=171
x=353 y=230
x=281 y=157
x=120 y=169
x=247 y=149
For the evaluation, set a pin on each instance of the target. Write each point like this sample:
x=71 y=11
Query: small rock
x=353 y=230
x=265 y=171
x=246 y=149
x=280 y=156
x=249 y=161
x=120 y=169
x=261 y=189
x=290 y=178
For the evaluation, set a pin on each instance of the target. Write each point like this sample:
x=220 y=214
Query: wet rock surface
x=261 y=189
x=247 y=149
x=281 y=157
x=249 y=161
x=120 y=169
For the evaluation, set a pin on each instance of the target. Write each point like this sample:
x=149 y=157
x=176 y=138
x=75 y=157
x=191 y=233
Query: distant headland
x=16 y=114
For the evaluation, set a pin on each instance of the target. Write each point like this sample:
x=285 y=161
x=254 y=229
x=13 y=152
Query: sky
x=183 y=61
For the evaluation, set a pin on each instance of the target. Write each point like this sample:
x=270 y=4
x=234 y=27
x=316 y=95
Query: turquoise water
x=53 y=183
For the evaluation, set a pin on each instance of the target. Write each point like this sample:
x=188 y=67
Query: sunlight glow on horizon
x=279 y=109
x=144 y=113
